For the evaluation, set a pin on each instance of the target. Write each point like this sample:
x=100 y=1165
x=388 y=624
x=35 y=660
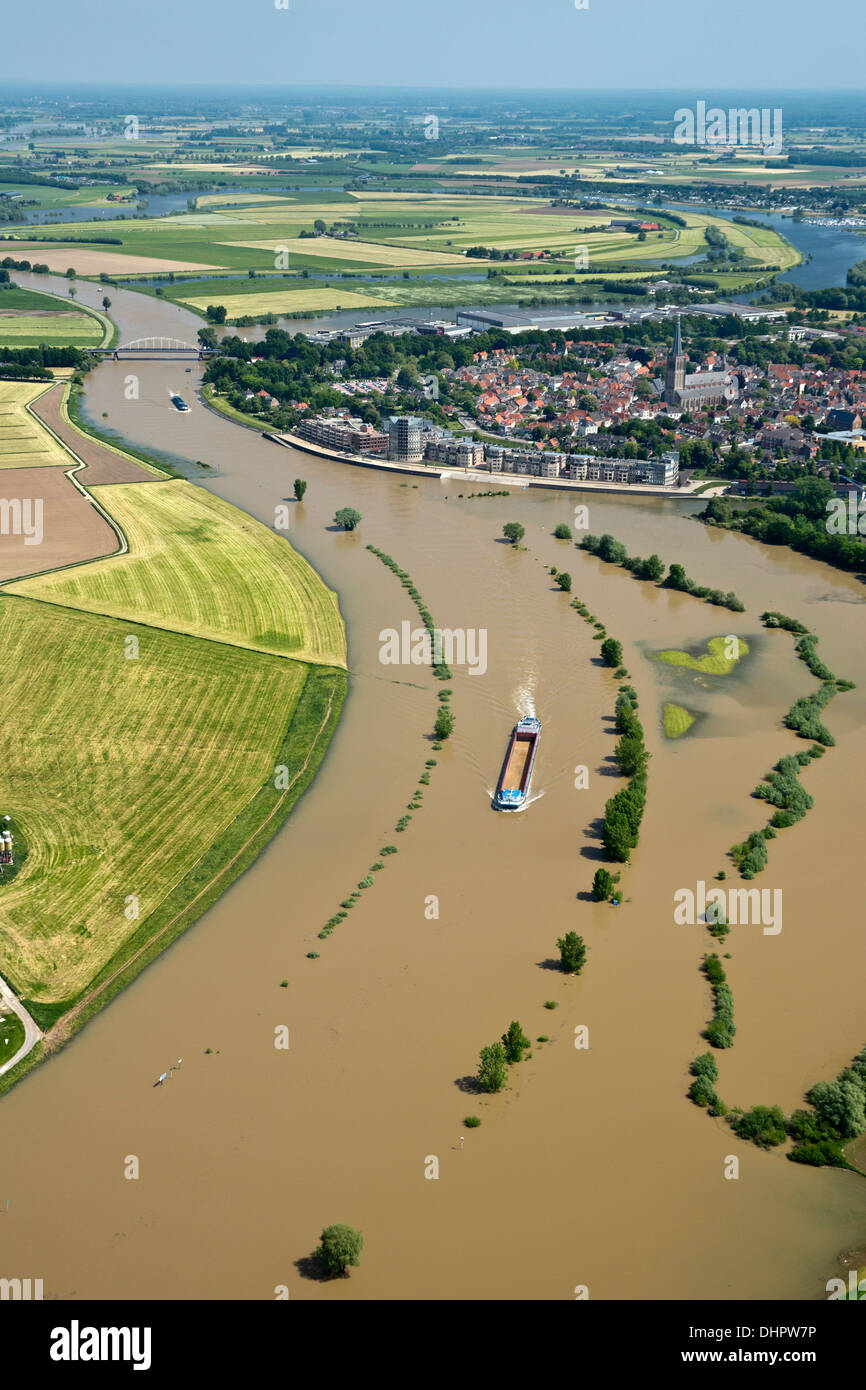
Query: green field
x=421 y=229
x=124 y=774
x=28 y=318
x=714 y=662
x=23 y=442
x=198 y=566
x=677 y=720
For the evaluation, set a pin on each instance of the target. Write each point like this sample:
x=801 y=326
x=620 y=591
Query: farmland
x=23 y=443
x=154 y=764
x=198 y=566
x=415 y=231
x=28 y=318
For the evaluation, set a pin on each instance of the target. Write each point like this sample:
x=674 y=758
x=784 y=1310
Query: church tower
x=675 y=372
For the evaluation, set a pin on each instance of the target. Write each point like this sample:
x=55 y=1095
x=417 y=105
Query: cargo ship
x=516 y=775
x=179 y=403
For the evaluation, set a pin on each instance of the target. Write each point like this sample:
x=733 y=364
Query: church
x=698 y=389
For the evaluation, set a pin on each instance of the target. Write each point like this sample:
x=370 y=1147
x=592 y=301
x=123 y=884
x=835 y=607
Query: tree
x=677 y=578
x=617 y=836
x=630 y=754
x=444 y=726
x=207 y=337
x=717 y=509
x=840 y=1104
x=603 y=885
x=300 y=488
x=348 y=518
x=216 y=313
x=320 y=226
x=563 y=579
x=562 y=532
x=513 y=531
x=515 y=1042
x=572 y=952
x=652 y=568
x=70 y=274
x=341 y=1246
x=492 y=1068
x=106 y=303
x=611 y=652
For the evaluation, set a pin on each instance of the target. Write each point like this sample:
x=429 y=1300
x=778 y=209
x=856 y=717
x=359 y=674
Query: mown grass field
x=198 y=566
x=123 y=774
x=306 y=298
x=23 y=442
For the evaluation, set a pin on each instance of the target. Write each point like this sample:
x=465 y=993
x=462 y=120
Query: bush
x=444 y=726
x=492 y=1068
x=563 y=579
x=472 y=1122
x=562 y=532
x=764 y=1125
x=705 y=1066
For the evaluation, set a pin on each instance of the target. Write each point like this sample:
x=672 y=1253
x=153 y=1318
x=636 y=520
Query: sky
x=616 y=44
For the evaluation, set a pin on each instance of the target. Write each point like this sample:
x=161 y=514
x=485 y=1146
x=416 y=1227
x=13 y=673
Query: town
x=746 y=395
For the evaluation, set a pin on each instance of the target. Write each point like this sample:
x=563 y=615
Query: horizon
x=619 y=41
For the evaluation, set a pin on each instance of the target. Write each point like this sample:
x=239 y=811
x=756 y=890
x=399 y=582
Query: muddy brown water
x=592 y=1169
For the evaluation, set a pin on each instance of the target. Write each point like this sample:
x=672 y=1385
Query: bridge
x=154 y=348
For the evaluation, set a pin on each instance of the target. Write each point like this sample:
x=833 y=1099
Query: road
x=32 y=1034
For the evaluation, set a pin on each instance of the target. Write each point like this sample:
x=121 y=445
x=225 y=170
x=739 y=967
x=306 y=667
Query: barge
x=516 y=775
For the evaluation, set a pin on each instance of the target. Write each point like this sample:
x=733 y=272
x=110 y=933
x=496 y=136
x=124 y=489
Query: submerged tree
x=348 y=518
x=572 y=952
x=492 y=1068
x=341 y=1246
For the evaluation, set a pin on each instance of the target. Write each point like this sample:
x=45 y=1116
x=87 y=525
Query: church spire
x=678 y=340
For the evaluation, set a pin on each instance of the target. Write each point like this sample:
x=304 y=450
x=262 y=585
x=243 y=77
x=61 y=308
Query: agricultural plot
x=374 y=254
x=25 y=328
x=23 y=444
x=302 y=300
x=92 y=260
x=150 y=761
x=395 y=230
x=198 y=566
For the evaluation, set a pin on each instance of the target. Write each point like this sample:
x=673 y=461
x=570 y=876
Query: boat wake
x=524 y=699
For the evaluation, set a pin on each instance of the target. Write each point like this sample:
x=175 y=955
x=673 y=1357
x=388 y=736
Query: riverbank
x=477 y=475
x=216 y=657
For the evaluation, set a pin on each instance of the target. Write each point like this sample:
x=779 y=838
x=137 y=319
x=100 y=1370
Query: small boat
x=179 y=403
x=516 y=775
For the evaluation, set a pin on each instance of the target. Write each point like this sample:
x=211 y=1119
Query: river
x=593 y=1168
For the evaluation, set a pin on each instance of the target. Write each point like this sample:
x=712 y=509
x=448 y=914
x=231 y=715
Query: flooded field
x=593 y=1168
